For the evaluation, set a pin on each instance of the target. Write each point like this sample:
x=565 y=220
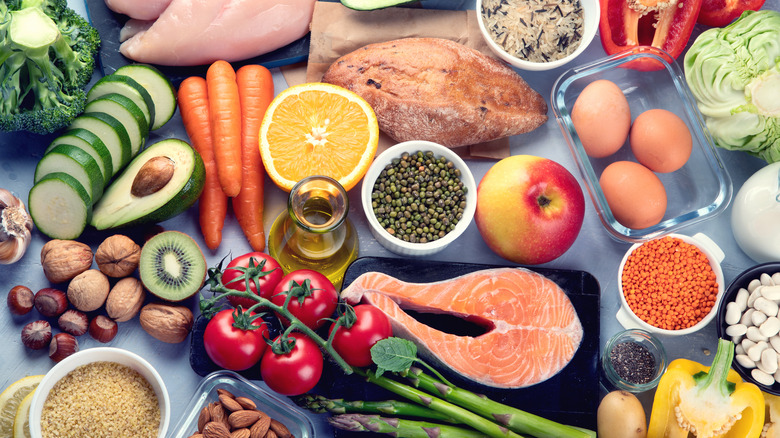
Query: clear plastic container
x=645 y=339
x=273 y=405
x=699 y=190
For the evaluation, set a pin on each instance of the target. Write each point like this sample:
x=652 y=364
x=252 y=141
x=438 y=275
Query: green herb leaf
x=394 y=355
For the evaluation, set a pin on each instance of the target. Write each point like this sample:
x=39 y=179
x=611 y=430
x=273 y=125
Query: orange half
x=318 y=129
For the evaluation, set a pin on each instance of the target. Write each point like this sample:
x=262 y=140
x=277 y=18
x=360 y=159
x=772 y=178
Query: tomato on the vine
x=314 y=298
x=369 y=326
x=267 y=269
x=294 y=372
x=231 y=341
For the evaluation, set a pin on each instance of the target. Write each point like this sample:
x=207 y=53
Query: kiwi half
x=172 y=266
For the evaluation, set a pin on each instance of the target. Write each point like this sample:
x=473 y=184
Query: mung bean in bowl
x=96 y=393
x=538 y=35
x=421 y=212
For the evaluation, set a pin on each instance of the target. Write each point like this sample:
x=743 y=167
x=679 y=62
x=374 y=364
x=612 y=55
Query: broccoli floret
x=47 y=56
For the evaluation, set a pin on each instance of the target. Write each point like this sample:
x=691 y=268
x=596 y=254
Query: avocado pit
x=153 y=176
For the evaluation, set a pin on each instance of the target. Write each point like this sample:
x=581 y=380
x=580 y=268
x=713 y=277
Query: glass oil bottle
x=314 y=232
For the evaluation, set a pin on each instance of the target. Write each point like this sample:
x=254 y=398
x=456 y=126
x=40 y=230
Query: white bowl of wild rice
x=538 y=34
x=99 y=393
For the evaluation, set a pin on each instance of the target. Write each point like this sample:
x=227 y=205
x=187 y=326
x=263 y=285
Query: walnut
x=125 y=299
x=64 y=259
x=166 y=322
x=118 y=256
x=88 y=290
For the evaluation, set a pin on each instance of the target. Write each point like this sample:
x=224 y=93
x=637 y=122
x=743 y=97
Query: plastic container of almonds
x=629 y=320
x=271 y=404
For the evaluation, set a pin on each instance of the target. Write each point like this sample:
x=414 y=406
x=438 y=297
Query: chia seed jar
x=634 y=360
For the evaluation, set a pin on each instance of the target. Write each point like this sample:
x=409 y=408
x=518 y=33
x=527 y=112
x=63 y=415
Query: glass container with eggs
x=641 y=146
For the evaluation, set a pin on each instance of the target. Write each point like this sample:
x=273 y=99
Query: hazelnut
x=73 y=322
x=20 y=300
x=166 y=322
x=62 y=345
x=36 y=335
x=125 y=299
x=117 y=256
x=88 y=290
x=64 y=259
x=50 y=302
x=103 y=329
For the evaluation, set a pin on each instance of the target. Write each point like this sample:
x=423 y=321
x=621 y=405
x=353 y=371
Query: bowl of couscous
x=97 y=392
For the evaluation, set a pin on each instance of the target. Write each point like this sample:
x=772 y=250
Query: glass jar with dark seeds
x=419 y=197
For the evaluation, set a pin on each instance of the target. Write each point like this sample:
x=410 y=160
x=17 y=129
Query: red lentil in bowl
x=670 y=285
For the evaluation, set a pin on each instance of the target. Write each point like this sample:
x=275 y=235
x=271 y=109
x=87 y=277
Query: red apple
x=529 y=209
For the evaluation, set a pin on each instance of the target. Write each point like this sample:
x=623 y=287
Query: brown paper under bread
x=439 y=90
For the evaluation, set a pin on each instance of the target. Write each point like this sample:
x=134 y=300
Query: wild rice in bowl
x=101 y=400
x=535 y=30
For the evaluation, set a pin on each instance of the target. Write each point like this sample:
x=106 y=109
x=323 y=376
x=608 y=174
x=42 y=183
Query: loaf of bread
x=439 y=90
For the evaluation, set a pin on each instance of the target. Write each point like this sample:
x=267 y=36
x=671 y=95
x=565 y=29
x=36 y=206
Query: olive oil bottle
x=314 y=232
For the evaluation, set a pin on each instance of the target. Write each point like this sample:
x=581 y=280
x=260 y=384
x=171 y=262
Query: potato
x=621 y=415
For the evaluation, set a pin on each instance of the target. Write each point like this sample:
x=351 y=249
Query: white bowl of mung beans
x=538 y=35
x=418 y=197
x=101 y=392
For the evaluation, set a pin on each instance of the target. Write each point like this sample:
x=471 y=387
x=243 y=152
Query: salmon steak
x=532 y=328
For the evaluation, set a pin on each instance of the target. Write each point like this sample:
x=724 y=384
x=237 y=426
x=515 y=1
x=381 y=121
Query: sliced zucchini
x=127 y=112
x=76 y=163
x=127 y=87
x=60 y=206
x=91 y=144
x=159 y=87
x=111 y=133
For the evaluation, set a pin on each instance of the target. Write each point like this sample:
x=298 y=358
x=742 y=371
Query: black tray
x=108 y=23
x=570 y=397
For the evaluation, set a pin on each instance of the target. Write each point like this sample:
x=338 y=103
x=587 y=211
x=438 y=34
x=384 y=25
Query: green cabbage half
x=733 y=74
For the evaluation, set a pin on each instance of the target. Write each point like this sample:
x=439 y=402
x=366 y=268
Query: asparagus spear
x=459 y=414
x=399 y=427
x=513 y=418
x=318 y=403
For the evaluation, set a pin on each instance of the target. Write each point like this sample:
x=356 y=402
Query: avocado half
x=155 y=195
x=370 y=5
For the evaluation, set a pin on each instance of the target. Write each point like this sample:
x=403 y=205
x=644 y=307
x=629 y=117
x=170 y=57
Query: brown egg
x=660 y=140
x=602 y=118
x=636 y=197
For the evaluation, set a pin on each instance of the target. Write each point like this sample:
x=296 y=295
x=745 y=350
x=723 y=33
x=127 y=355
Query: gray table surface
x=594 y=250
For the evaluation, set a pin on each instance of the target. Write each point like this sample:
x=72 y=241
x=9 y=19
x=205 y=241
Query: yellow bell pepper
x=706 y=402
x=772 y=426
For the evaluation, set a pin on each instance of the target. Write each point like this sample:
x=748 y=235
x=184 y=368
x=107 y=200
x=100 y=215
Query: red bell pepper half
x=664 y=24
x=718 y=13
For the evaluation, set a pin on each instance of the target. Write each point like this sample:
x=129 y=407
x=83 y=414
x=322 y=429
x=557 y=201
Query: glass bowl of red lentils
x=97 y=391
x=671 y=285
x=634 y=360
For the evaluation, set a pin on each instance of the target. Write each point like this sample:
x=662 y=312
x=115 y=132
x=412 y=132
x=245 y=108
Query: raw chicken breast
x=139 y=9
x=196 y=32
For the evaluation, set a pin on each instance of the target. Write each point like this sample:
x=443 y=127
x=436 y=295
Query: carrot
x=255 y=91
x=212 y=205
x=225 y=114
